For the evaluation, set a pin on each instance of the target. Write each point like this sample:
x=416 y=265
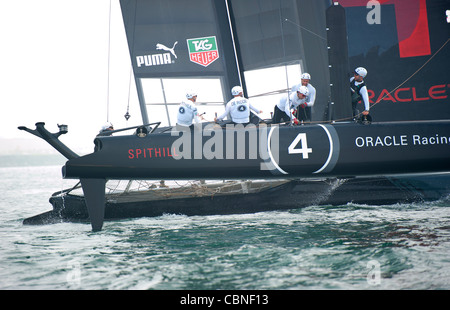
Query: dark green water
x=404 y=246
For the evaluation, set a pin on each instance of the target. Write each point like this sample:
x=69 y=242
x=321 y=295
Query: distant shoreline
x=31 y=160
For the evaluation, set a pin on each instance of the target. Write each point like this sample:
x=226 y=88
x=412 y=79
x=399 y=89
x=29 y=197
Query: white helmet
x=107 y=125
x=191 y=94
x=305 y=76
x=303 y=90
x=361 y=71
x=236 y=90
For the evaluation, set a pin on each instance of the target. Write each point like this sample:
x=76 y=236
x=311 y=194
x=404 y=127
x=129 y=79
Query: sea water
x=401 y=246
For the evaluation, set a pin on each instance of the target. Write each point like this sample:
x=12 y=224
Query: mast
x=235 y=48
x=339 y=108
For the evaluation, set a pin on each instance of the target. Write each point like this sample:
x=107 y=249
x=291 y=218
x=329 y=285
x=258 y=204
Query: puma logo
x=165 y=48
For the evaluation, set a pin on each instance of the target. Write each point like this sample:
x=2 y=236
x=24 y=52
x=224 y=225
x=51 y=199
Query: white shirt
x=364 y=94
x=286 y=105
x=238 y=108
x=187 y=112
x=311 y=98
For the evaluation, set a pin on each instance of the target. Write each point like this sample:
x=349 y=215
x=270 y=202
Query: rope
x=417 y=71
x=313 y=33
x=379 y=100
x=127 y=114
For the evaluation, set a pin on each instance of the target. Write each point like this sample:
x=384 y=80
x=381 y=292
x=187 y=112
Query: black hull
x=364 y=155
x=294 y=194
x=268 y=152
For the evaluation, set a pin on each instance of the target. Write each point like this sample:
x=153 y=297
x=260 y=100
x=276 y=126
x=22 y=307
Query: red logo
x=203 y=51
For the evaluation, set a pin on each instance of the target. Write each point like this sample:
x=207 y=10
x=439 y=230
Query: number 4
x=304 y=150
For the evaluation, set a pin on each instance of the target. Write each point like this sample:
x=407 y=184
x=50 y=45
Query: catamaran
x=399 y=154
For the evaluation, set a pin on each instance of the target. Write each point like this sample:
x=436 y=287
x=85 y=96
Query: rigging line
x=234 y=42
x=284 y=49
x=350 y=118
x=198 y=103
x=426 y=63
x=417 y=71
x=312 y=32
x=129 y=91
x=274 y=92
x=109 y=62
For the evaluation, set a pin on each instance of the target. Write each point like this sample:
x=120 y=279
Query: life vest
x=186 y=113
x=240 y=110
x=356 y=91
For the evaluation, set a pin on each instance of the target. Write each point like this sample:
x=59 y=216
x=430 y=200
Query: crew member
x=282 y=111
x=304 y=111
x=238 y=108
x=106 y=129
x=187 y=112
x=359 y=91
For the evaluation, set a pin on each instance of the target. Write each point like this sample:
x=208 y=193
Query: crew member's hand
x=365 y=112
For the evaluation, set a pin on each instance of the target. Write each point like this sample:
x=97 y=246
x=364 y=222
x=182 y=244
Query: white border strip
x=270 y=153
x=331 y=150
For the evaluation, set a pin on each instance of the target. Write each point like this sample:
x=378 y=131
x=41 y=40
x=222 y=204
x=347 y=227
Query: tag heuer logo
x=203 y=51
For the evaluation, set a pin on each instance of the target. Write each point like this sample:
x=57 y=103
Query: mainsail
x=214 y=45
x=405 y=47
x=220 y=44
x=176 y=46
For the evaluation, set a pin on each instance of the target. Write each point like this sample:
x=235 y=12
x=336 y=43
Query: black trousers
x=355 y=99
x=279 y=116
x=355 y=110
x=303 y=114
